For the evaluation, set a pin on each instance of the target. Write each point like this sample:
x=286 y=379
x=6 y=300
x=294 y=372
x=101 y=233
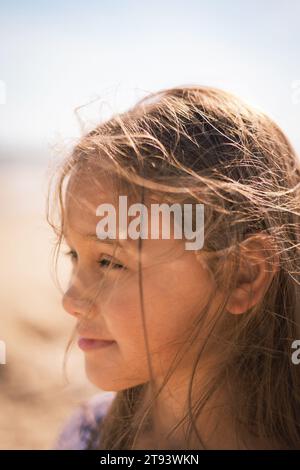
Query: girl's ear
x=258 y=265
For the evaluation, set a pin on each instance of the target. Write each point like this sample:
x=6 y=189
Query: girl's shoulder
x=83 y=422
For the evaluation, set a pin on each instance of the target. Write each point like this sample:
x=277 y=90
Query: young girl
x=192 y=348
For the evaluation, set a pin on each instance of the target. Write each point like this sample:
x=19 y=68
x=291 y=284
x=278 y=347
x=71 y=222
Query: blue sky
x=57 y=56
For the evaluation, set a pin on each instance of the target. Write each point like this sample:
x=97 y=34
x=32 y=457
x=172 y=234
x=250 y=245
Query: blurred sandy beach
x=35 y=398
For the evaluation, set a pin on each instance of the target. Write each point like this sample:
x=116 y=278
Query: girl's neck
x=215 y=423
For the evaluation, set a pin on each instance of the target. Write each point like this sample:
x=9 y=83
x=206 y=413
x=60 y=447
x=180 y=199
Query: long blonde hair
x=204 y=145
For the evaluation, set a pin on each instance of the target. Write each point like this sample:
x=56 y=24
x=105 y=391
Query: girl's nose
x=73 y=305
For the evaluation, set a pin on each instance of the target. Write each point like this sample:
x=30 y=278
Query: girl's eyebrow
x=109 y=241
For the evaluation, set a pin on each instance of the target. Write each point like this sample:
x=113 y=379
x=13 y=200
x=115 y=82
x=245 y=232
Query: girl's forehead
x=89 y=199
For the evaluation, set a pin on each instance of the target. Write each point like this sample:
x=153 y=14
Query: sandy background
x=35 y=397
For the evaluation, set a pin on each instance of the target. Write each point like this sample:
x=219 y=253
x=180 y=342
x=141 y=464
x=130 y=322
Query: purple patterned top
x=79 y=428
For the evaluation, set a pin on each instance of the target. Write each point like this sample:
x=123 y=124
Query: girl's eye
x=104 y=262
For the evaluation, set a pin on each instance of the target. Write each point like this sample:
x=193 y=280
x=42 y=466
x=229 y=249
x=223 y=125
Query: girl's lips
x=87 y=343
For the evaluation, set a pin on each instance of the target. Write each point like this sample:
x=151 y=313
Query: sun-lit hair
x=203 y=145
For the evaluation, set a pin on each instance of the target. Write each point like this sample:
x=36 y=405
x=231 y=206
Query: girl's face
x=175 y=288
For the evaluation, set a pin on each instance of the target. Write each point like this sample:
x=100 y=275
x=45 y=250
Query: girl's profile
x=191 y=349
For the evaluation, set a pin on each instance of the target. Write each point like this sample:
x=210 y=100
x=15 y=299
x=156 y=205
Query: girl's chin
x=106 y=381
x=103 y=383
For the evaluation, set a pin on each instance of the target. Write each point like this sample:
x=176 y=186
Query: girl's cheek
x=123 y=311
